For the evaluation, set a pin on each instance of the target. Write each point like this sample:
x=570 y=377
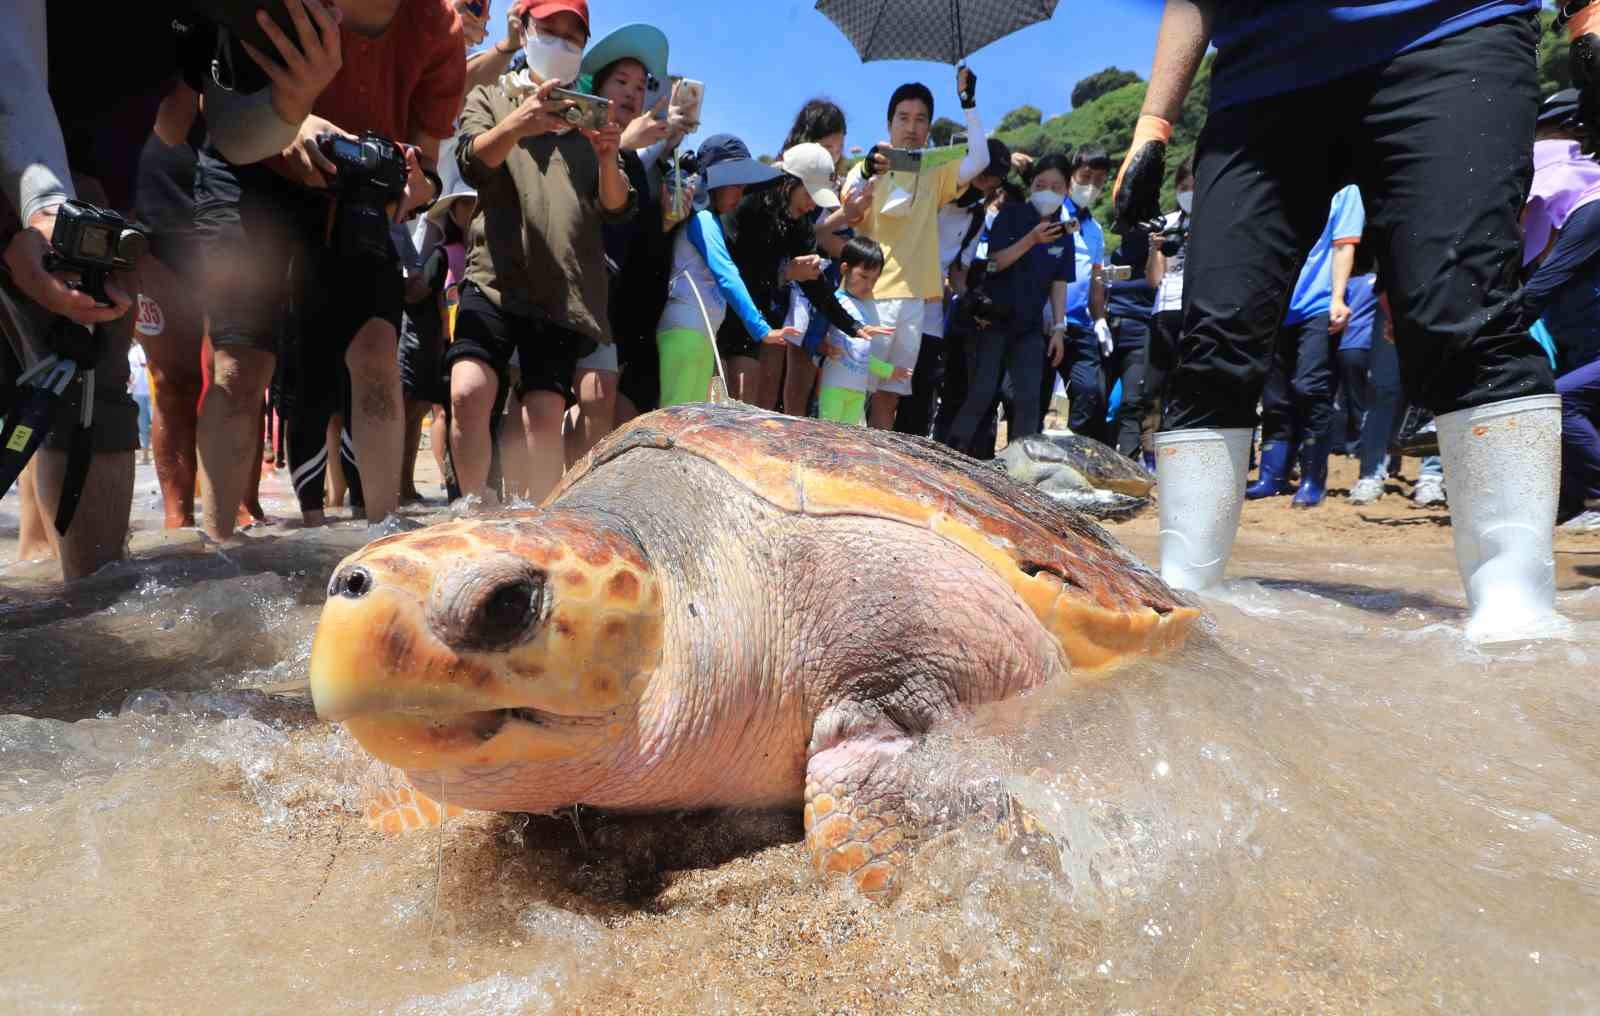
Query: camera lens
x=131 y=245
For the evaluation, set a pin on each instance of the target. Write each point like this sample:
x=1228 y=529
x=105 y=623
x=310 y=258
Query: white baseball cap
x=813 y=164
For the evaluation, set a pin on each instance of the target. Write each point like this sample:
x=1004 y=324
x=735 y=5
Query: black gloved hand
x=969 y=94
x=867 y=169
x=1136 y=196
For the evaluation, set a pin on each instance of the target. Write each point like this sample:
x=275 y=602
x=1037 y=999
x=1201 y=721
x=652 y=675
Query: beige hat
x=813 y=164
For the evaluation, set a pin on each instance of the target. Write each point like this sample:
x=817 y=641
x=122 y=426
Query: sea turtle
x=1079 y=471
x=722 y=607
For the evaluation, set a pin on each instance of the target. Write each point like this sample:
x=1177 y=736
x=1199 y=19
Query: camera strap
x=80 y=452
x=31 y=414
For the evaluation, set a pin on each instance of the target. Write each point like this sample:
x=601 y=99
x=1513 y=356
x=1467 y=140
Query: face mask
x=549 y=57
x=1045 y=202
x=1185 y=201
x=1084 y=194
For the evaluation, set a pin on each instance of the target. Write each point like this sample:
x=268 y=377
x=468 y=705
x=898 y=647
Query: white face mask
x=1185 y=201
x=1045 y=202
x=550 y=57
x=1084 y=194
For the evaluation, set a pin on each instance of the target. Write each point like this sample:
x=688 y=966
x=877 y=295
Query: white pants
x=901 y=348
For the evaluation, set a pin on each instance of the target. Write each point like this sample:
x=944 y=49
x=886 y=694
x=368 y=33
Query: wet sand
x=1327 y=803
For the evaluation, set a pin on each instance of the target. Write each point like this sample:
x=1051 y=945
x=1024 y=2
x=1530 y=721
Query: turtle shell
x=1100 y=602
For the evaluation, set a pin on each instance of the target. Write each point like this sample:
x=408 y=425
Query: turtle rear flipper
x=870 y=806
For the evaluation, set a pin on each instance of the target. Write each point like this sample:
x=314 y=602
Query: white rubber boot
x=1502 y=465
x=1200 y=478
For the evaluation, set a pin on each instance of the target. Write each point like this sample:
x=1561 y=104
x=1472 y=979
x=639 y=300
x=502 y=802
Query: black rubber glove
x=1136 y=197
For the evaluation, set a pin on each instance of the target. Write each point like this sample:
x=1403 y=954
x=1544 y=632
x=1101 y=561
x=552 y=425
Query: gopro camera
x=590 y=112
x=94 y=242
x=370 y=176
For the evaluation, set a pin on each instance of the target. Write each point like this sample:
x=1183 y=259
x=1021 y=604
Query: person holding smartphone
x=1031 y=262
x=536 y=281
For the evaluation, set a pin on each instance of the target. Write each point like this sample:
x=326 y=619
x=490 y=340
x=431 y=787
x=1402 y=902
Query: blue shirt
x=1025 y=286
x=1089 y=246
x=1313 y=293
x=1361 y=296
x=1268 y=47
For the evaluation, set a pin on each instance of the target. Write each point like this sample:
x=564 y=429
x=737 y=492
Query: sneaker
x=1366 y=490
x=1429 y=492
x=1588 y=522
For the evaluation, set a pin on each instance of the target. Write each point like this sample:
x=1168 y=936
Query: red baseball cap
x=539 y=9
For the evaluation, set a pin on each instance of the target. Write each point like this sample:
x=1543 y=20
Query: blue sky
x=761 y=59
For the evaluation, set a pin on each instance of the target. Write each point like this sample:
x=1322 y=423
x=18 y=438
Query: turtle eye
x=506 y=611
x=488 y=605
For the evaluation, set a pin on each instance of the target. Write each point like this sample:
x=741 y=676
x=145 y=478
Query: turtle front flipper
x=390 y=804
x=870 y=807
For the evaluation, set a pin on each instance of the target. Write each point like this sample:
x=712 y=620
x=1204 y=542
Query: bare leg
x=473 y=385
x=881 y=410
x=33 y=543
x=800 y=376
x=332 y=439
x=626 y=410
x=228 y=438
x=437 y=436
x=770 y=386
x=597 y=410
x=379 y=426
x=99 y=530
x=175 y=367
x=541 y=419
x=744 y=378
x=250 y=509
x=515 y=467
x=415 y=411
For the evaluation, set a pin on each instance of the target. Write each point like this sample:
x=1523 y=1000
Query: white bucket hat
x=813 y=164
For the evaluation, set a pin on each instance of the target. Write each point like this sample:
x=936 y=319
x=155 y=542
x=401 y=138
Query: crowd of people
x=358 y=223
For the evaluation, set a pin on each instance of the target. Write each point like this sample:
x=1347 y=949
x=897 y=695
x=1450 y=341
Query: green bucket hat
x=644 y=43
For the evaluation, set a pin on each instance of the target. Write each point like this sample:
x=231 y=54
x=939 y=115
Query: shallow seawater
x=1327 y=803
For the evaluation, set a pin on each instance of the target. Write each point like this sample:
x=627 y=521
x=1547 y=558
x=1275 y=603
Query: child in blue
x=852 y=370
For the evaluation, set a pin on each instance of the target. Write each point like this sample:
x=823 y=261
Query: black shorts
x=548 y=353
x=253 y=226
x=422 y=354
x=733 y=340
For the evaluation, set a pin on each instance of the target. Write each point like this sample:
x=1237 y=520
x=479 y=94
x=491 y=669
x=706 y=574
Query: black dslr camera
x=371 y=176
x=93 y=242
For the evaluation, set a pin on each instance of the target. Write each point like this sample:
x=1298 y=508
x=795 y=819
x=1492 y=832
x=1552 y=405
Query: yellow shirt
x=910 y=241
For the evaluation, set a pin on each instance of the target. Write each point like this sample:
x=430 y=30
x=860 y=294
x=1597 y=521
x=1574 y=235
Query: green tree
x=1022 y=116
x=1098 y=84
x=943 y=130
x=1554 y=73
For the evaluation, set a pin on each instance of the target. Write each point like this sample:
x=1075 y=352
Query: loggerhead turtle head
x=516 y=639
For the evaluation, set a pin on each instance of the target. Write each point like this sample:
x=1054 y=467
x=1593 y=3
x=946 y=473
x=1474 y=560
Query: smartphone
x=688 y=95
x=904 y=160
x=591 y=111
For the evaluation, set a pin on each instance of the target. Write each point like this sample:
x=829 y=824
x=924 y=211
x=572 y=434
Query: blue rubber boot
x=1273 y=479
x=1313 y=474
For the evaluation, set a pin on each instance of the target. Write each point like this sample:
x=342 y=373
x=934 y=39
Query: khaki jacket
x=535 y=246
